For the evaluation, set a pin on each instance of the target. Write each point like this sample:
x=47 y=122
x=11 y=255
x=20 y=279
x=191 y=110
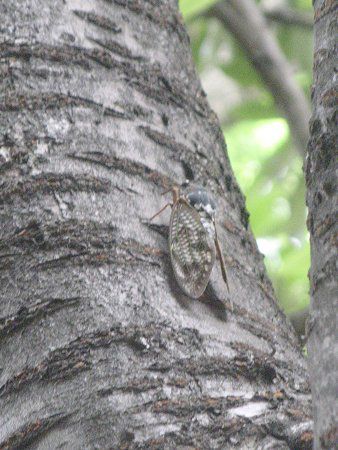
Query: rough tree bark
x=101 y=109
x=321 y=180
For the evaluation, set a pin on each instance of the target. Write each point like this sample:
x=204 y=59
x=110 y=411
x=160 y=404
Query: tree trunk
x=101 y=109
x=321 y=182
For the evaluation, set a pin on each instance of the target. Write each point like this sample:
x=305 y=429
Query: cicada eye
x=185 y=184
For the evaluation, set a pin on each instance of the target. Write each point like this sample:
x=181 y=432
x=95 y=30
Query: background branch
x=289 y=16
x=247 y=23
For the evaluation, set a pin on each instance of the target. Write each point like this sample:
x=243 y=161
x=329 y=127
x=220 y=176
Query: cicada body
x=192 y=248
x=193 y=241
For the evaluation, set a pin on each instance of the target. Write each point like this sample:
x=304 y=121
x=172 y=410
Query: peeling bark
x=321 y=180
x=101 y=109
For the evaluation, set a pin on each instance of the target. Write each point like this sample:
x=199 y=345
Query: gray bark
x=101 y=109
x=321 y=179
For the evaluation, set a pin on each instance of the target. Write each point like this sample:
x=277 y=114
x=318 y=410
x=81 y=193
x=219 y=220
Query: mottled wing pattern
x=192 y=250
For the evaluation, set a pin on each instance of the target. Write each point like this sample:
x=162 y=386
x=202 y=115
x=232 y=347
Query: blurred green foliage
x=189 y=8
x=262 y=155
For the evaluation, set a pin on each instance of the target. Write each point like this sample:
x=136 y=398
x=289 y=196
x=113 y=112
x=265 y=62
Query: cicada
x=193 y=240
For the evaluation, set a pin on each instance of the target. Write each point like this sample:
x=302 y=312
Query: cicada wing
x=192 y=250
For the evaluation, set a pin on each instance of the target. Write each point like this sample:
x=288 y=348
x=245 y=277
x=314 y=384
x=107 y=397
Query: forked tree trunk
x=321 y=180
x=101 y=109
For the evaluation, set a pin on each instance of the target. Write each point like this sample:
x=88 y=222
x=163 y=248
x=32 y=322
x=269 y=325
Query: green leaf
x=302 y=4
x=261 y=107
x=240 y=68
x=190 y=8
x=251 y=143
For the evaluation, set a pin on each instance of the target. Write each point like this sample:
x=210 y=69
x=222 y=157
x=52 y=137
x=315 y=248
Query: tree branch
x=289 y=16
x=247 y=23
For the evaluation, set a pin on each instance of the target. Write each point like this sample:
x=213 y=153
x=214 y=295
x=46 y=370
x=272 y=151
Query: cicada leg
x=176 y=194
x=160 y=211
